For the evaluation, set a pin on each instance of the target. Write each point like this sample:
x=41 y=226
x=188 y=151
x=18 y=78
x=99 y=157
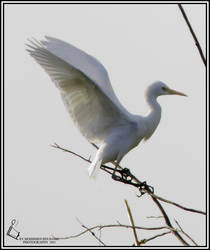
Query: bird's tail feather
x=94 y=167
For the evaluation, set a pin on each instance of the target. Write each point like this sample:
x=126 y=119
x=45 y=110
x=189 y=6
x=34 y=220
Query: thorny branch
x=125 y=176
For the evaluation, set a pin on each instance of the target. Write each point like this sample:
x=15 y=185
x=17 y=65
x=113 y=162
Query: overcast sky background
x=47 y=189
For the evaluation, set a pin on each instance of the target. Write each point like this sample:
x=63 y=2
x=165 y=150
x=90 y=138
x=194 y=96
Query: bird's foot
x=144 y=188
x=123 y=175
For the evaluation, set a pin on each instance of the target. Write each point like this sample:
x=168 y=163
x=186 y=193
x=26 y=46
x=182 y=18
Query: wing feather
x=92 y=110
x=86 y=64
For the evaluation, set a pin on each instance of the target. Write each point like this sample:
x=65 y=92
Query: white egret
x=87 y=93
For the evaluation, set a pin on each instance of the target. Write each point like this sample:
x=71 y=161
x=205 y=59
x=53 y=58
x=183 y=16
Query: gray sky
x=46 y=189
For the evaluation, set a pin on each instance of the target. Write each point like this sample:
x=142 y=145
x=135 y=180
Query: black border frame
x=3 y=111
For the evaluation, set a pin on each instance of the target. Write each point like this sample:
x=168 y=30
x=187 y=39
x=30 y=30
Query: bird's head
x=159 y=88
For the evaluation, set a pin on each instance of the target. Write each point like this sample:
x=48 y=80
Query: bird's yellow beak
x=174 y=92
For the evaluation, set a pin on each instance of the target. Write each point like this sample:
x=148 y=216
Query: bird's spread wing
x=85 y=63
x=87 y=97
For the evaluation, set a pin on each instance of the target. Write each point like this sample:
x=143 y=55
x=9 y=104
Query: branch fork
x=125 y=176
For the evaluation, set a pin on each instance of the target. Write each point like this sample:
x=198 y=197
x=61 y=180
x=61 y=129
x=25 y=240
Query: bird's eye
x=164 y=88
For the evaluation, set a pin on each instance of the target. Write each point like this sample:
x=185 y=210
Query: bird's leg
x=114 y=176
x=107 y=169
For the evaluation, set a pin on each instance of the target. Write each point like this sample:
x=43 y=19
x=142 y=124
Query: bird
x=87 y=93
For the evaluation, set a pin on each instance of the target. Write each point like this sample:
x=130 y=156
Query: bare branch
x=154 y=237
x=178 y=205
x=187 y=235
x=167 y=221
x=132 y=222
x=100 y=227
x=128 y=178
x=55 y=145
x=92 y=233
x=106 y=169
x=193 y=34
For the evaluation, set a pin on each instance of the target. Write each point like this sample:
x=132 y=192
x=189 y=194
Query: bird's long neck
x=153 y=118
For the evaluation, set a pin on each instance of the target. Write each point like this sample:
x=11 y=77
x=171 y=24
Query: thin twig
x=178 y=205
x=132 y=222
x=167 y=221
x=92 y=233
x=100 y=234
x=193 y=34
x=55 y=145
x=155 y=217
x=187 y=235
x=100 y=227
x=154 y=237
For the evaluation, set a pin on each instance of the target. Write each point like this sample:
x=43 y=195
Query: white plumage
x=87 y=93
